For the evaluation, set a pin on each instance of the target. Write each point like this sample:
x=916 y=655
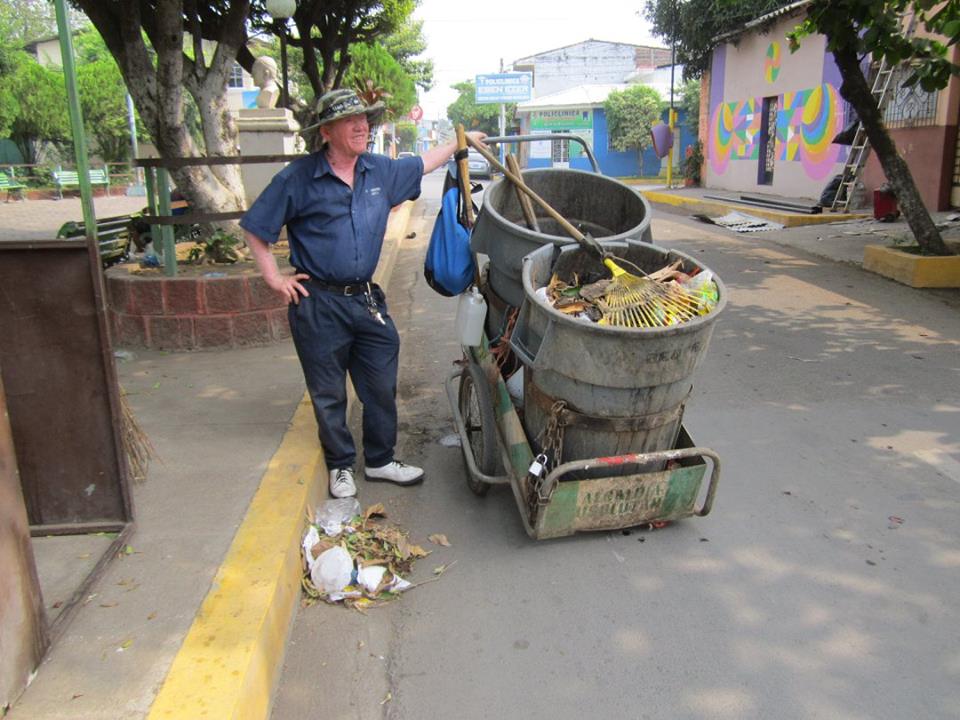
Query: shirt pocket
x=375 y=211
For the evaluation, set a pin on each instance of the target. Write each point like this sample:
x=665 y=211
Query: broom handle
x=524 y=201
x=521 y=185
x=463 y=173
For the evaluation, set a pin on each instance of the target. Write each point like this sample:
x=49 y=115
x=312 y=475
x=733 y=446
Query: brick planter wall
x=193 y=313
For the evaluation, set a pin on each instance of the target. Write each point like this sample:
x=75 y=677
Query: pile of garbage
x=583 y=300
x=354 y=558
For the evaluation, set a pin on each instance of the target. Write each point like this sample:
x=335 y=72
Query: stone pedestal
x=266 y=131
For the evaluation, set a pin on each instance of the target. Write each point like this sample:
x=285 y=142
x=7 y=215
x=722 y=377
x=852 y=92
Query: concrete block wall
x=200 y=313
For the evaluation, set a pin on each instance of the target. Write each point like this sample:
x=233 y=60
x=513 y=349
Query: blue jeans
x=335 y=334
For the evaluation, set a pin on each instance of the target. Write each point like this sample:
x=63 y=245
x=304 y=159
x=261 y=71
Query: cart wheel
x=476 y=408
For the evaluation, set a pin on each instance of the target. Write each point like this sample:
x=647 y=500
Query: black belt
x=354 y=289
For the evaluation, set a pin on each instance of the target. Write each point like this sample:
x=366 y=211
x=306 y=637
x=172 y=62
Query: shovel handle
x=521 y=185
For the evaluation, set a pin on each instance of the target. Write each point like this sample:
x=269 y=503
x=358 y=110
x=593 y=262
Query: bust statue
x=265 y=77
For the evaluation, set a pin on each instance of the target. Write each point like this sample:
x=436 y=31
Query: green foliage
x=693 y=162
x=875 y=27
x=9 y=106
x=103 y=99
x=42 y=114
x=464 y=109
x=220 y=247
x=404 y=45
x=631 y=114
x=374 y=63
x=406 y=133
x=326 y=31
x=690 y=102
x=25 y=21
x=695 y=23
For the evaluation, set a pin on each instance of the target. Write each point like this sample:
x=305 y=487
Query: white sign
x=541 y=149
x=504 y=88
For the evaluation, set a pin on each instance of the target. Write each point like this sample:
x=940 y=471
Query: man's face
x=348 y=135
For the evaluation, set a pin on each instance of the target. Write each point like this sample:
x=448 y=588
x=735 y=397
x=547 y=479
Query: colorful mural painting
x=733 y=133
x=771 y=63
x=806 y=123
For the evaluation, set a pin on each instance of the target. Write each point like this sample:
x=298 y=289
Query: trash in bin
x=584 y=298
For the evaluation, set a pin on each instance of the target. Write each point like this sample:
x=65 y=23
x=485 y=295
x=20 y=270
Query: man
x=335 y=203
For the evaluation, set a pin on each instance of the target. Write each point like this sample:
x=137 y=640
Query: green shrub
x=220 y=247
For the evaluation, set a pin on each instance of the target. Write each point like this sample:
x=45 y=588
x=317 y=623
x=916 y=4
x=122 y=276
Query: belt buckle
x=348 y=290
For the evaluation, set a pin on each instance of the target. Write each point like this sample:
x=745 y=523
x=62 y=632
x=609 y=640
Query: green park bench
x=11 y=186
x=71 y=179
x=113 y=236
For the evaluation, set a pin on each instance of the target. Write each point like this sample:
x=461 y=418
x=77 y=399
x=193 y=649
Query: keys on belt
x=372 y=306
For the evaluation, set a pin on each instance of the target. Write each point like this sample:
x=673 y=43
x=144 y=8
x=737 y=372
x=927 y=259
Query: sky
x=467 y=39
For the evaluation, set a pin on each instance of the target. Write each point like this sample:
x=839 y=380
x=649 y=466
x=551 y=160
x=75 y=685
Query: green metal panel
x=618 y=502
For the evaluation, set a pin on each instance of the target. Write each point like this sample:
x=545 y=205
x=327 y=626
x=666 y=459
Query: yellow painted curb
x=917 y=271
x=786 y=219
x=230 y=661
x=227 y=666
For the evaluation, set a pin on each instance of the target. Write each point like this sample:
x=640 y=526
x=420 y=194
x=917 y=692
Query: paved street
x=823 y=584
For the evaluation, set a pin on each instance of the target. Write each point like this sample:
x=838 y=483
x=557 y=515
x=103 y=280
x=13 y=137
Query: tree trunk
x=157 y=83
x=856 y=91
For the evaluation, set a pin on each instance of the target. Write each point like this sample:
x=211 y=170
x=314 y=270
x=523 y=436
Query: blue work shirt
x=335 y=233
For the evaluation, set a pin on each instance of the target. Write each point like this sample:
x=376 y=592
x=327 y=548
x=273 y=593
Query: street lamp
x=281 y=10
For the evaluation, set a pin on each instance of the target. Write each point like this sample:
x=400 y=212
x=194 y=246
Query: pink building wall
x=809 y=112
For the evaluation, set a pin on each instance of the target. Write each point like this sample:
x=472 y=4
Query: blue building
x=579 y=110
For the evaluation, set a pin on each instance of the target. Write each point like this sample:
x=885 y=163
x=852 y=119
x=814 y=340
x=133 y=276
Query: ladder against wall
x=882 y=88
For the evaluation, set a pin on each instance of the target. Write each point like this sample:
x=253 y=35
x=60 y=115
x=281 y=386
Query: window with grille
x=909 y=106
x=560 y=150
x=236 y=76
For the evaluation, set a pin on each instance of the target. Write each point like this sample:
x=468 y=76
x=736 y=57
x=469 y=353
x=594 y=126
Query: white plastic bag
x=333 y=570
x=370 y=577
x=332 y=515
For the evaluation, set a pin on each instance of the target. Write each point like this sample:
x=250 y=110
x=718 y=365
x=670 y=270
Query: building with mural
x=570 y=86
x=773 y=116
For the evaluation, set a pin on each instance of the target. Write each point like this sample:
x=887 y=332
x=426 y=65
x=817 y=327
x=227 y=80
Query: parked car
x=476 y=164
x=404 y=154
x=479 y=167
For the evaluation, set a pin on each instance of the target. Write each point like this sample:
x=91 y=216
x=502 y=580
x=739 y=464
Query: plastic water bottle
x=471 y=312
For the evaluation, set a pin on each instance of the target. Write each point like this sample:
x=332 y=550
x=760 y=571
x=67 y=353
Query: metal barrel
x=625 y=388
x=601 y=206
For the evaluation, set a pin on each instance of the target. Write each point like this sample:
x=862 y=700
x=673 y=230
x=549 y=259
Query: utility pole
x=503 y=120
x=76 y=119
x=671 y=116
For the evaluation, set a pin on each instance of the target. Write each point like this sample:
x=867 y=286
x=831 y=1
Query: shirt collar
x=323 y=166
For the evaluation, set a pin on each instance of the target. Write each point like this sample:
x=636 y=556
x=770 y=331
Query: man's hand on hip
x=288 y=286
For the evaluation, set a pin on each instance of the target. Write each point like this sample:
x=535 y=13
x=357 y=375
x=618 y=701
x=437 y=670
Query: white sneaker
x=395 y=472
x=341 y=483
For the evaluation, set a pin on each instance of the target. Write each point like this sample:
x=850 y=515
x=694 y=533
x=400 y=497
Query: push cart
x=603 y=394
x=663 y=486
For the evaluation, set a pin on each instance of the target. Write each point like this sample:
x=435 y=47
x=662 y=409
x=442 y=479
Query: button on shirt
x=335 y=232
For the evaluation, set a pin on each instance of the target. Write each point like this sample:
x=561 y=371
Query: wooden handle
x=518 y=181
x=463 y=174
x=525 y=205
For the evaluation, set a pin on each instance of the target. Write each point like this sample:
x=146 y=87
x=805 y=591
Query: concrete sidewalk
x=696 y=200
x=193 y=621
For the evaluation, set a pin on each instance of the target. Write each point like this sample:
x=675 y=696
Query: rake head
x=640 y=302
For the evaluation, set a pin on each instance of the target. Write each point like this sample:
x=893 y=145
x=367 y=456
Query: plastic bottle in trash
x=471 y=312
